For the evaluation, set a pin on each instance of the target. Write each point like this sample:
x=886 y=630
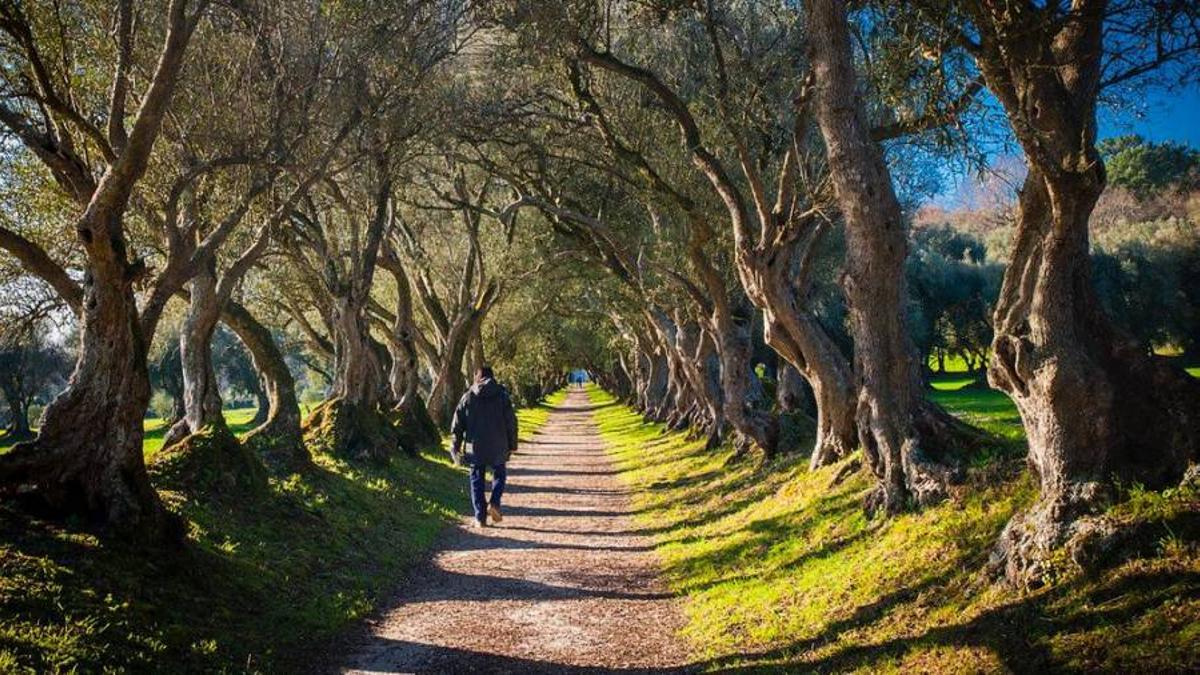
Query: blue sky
x=1158 y=116
x=1163 y=116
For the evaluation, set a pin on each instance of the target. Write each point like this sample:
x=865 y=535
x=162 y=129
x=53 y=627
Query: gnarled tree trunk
x=889 y=396
x=353 y=423
x=200 y=452
x=277 y=439
x=1095 y=404
x=776 y=274
x=88 y=454
x=752 y=424
x=450 y=383
x=416 y=427
x=18 y=410
x=201 y=392
x=87 y=457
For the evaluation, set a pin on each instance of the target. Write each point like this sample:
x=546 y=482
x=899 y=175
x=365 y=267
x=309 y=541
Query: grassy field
x=261 y=585
x=781 y=571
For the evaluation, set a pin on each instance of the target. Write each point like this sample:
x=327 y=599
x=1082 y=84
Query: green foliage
x=952 y=291
x=781 y=571
x=162 y=405
x=1147 y=275
x=262 y=584
x=1145 y=167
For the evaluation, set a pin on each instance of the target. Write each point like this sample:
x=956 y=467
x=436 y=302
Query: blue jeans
x=499 y=474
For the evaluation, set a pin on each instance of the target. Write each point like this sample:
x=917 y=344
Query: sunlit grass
x=989 y=409
x=779 y=569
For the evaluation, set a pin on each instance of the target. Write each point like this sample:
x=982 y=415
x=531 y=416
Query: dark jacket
x=485 y=418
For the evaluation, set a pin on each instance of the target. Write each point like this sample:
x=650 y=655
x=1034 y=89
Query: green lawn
x=988 y=409
x=781 y=571
x=263 y=583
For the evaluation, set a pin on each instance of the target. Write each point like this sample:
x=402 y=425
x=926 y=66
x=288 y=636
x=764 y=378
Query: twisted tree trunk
x=353 y=422
x=417 y=428
x=87 y=457
x=277 y=439
x=753 y=425
x=1095 y=403
x=200 y=452
x=201 y=392
x=450 y=383
x=18 y=426
x=766 y=270
x=889 y=397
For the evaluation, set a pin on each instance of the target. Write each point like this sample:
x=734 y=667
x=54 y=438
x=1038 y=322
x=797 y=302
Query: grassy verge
x=780 y=570
x=260 y=583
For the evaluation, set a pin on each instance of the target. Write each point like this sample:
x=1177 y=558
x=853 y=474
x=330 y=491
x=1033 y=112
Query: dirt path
x=564 y=584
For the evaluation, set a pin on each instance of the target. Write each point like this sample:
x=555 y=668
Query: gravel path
x=566 y=583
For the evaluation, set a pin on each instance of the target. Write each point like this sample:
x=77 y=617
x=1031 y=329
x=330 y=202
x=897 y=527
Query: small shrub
x=162 y=405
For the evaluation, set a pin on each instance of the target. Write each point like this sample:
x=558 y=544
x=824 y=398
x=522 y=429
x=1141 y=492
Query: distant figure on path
x=486 y=419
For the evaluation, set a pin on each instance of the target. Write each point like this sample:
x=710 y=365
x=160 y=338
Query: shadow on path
x=565 y=584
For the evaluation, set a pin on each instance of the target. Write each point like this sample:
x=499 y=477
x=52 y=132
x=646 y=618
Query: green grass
x=989 y=409
x=262 y=584
x=155 y=428
x=238 y=420
x=781 y=571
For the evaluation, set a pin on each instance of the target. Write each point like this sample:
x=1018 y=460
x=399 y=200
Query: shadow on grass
x=261 y=583
x=1016 y=632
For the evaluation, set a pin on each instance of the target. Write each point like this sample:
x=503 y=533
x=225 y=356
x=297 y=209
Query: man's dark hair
x=484 y=373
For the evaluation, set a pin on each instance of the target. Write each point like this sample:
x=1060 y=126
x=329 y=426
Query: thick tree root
x=351 y=431
x=1029 y=541
x=280 y=446
x=118 y=503
x=1073 y=527
x=210 y=462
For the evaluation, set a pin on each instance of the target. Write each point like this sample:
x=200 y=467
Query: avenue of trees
x=336 y=211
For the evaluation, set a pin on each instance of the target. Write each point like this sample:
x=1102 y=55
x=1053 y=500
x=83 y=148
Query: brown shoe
x=494 y=512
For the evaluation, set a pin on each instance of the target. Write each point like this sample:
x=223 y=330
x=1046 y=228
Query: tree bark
x=277 y=439
x=201 y=392
x=18 y=427
x=450 y=383
x=417 y=428
x=797 y=336
x=1095 y=404
x=88 y=454
x=889 y=398
x=87 y=457
x=353 y=422
x=262 y=404
x=199 y=451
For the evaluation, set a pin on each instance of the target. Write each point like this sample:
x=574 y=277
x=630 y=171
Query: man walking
x=485 y=418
